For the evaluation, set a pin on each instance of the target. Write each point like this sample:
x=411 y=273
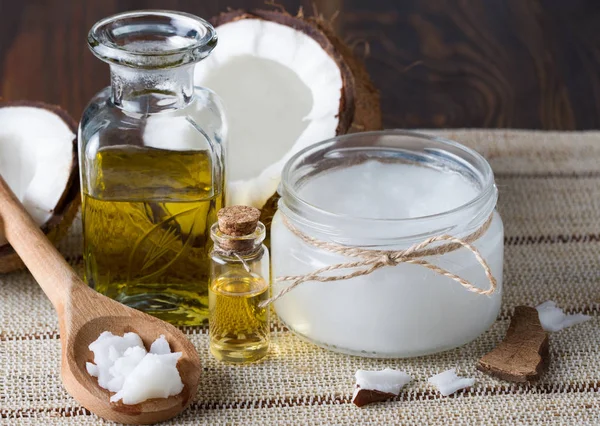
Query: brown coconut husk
x=68 y=205
x=359 y=103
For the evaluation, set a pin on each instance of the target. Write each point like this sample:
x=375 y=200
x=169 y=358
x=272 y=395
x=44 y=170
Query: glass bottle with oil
x=152 y=163
x=238 y=324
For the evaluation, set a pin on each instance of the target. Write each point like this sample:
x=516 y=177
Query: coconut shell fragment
x=378 y=386
x=67 y=196
x=523 y=355
x=364 y=397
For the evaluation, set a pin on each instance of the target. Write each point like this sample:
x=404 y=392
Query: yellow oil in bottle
x=239 y=328
x=146 y=222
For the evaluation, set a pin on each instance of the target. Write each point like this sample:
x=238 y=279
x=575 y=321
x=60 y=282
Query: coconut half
x=287 y=82
x=38 y=160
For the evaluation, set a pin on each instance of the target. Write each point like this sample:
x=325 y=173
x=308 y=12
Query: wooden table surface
x=471 y=63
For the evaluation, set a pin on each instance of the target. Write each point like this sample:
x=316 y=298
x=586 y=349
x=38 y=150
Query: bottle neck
x=234 y=246
x=151 y=91
x=250 y=254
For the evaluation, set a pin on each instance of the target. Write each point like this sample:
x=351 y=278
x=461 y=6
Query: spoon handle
x=43 y=260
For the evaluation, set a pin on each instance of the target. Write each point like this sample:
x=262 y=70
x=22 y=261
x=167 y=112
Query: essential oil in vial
x=239 y=283
x=239 y=327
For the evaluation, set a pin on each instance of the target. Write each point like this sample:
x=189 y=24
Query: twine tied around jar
x=372 y=260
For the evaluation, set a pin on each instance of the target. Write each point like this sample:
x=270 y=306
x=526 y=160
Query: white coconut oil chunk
x=554 y=319
x=387 y=380
x=449 y=382
x=122 y=365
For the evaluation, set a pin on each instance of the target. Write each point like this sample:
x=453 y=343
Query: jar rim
x=109 y=39
x=310 y=215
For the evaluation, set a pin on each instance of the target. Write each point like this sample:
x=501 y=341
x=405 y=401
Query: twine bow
x=372 y=260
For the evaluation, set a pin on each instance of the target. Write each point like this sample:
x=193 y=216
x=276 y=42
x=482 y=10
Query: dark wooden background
x=470 y=63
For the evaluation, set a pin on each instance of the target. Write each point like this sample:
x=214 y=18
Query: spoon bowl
x=122 y=319
x=84 y=314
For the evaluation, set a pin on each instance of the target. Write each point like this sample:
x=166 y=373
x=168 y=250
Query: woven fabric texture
x=550 y=201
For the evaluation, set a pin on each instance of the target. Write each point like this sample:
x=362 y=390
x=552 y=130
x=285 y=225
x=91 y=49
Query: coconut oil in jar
x=387 y=191
x=152 y=166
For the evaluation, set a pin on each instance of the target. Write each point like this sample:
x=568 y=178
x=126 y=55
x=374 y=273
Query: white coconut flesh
x=36 y=158
x=281 y=92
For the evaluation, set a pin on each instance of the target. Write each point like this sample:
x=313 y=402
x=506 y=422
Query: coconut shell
x=524 y=354
x=368 y=396
x=360 y=108
x=367 y=104
x=68 y=205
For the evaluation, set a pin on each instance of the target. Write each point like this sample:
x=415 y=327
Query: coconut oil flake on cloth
x=387 y=244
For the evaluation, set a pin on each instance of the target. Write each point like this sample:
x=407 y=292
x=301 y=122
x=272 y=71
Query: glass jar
x=152 y=161
x=240 y=278
x=432 y=187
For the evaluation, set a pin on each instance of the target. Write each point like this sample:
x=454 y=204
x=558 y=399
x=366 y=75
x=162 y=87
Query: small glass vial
x=239 y=327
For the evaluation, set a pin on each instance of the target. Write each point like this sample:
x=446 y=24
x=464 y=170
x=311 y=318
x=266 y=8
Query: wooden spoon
x=83 y=314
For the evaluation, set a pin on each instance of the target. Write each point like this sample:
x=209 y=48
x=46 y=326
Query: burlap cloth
x=550 y=201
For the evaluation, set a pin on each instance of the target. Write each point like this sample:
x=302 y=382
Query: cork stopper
x=238 y=221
